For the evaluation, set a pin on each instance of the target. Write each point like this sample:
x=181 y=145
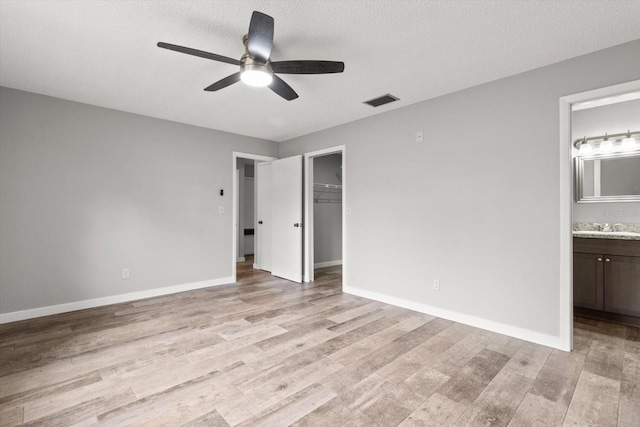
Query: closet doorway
x=325 y=212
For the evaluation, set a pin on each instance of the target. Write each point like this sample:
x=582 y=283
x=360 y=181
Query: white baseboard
x=327 y=264
x=478 y=322
x=255 y=266
x=240 y=259
x=114 y=299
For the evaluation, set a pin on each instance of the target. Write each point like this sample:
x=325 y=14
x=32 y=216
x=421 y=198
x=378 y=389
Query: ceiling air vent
x=381 y=100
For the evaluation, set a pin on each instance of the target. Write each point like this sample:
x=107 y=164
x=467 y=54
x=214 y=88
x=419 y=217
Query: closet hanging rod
x=327 y=201
x=320 y=185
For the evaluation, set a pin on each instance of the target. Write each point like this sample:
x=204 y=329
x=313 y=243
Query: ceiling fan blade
x=221 y=84
x=260 y=37
x=281 y=88
x=307 y=67
x=199 y=53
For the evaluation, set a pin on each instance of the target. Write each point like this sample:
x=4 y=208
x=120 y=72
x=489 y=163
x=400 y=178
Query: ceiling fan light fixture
x=256 y=68
x=258 y=75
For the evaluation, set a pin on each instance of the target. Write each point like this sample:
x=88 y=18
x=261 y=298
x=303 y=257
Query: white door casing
x=286 y=218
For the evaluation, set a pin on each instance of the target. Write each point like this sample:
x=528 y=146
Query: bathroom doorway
x=578 y=119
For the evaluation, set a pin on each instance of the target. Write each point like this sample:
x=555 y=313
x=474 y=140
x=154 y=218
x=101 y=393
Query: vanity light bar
x=605 y=137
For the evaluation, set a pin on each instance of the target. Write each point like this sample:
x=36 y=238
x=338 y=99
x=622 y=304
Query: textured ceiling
x=104 y=53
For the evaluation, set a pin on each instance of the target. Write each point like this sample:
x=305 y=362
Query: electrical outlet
x=436 y=285
x=125 y=273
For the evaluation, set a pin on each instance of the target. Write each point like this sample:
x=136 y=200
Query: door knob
x=259 y=222
x=599 y=259
x=297 y=224
x=608 y=260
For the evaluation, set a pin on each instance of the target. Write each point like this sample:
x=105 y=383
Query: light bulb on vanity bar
x=585 y=149
x=629 y=144
x=606 y=146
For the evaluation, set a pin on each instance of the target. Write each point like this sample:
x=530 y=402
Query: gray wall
x=615 y=118
x=86 y=191
x=249 y=213
x=249 y=205
x=327 y=217
x=477 y=204
x=246 y=209
x=240 y=173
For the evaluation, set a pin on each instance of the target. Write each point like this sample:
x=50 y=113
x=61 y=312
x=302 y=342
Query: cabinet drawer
x=607 y=246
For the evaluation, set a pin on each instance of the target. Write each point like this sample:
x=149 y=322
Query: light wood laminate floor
x=270 y=352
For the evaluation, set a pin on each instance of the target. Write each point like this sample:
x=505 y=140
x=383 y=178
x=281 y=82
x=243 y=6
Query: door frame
x=308 y=255
x=566 y=200
x=234 y=191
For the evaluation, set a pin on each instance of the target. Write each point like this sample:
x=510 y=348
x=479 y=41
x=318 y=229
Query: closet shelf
x=327 y=193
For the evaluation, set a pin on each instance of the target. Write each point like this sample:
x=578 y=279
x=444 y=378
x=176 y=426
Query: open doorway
x=245 y=247
x=245 y=215
x=570 y=216
x=246 y=208
x=325 y=215
x=606 y=210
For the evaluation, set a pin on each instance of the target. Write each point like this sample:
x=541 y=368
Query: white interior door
x=264 y=226
x=286 y=218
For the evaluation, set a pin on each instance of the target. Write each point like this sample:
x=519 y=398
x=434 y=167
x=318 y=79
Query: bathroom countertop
x=616 y=231
x=606 y=235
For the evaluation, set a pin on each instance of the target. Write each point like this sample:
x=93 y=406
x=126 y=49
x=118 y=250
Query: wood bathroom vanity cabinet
x=606 y=278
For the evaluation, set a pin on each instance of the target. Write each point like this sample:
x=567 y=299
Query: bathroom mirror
x=608 y=178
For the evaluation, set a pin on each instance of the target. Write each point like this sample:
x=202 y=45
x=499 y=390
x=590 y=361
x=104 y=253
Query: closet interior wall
x=327 y=210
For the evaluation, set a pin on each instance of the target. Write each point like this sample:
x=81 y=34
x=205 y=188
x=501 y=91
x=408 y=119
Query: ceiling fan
x=256 y=68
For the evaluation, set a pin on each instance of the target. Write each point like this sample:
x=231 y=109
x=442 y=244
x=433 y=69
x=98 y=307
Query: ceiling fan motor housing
x=250 y=64
x=254 y=72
